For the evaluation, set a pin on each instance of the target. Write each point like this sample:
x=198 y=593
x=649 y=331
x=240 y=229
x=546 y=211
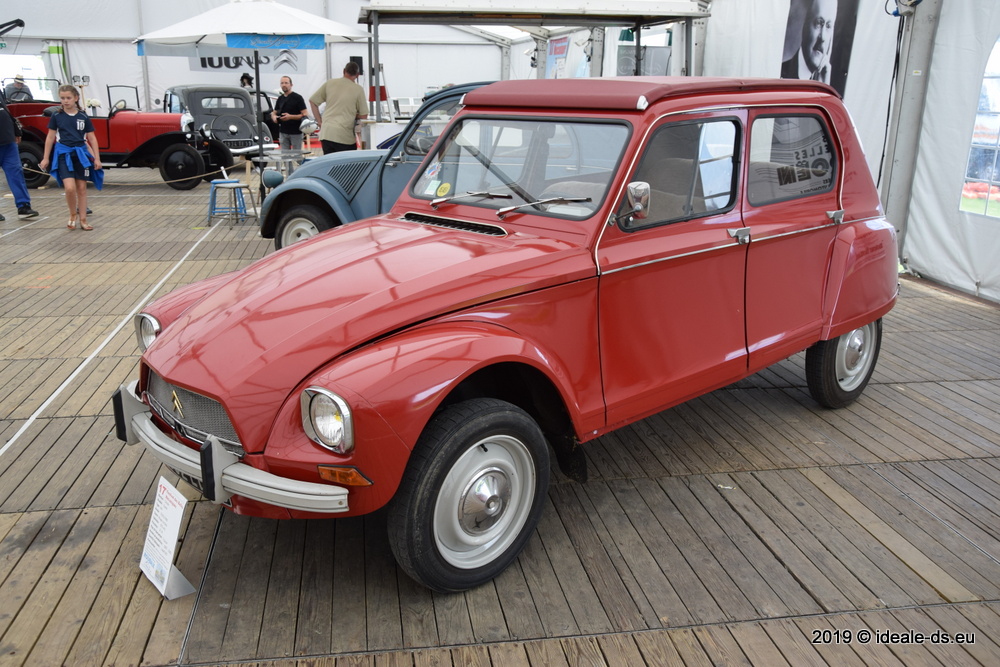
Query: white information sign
x=161 y=542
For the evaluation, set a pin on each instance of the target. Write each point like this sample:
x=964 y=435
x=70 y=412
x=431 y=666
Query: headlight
x=326 y=419
x=147 y=328
x=187 y=122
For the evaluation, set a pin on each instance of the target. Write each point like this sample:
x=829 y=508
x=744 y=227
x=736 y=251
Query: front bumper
x=216 y=472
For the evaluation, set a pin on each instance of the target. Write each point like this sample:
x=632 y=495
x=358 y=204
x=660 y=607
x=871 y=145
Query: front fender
x=394 y=387
x=297 y=191
x=864 y=276
x=148 y=153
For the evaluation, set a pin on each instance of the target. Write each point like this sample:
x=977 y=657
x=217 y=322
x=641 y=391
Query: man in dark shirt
x=289 y=110
x=10 y=162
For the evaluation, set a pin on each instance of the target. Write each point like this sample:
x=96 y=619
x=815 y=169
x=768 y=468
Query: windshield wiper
x=551 y=200
x=488 y=195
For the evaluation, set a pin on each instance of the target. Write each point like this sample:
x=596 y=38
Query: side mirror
x=637 y=196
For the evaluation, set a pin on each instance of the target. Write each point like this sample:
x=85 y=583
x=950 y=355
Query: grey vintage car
x=332 y=190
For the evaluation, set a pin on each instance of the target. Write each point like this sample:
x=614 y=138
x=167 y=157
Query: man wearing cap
x=10 y=162
x=17 y=91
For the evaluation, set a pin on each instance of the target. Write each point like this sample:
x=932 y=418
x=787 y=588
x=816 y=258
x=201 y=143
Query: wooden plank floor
x=747 y=527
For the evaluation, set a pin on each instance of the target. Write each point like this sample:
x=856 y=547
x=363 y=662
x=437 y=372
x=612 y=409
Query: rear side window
x=690 y=168
x=790 y=157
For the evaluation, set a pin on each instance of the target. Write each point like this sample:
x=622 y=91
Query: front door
x=411 y=148
x=672 y=284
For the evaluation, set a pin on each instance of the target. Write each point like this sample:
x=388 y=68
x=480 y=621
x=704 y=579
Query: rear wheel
x=31 y=155
x=300 y=223
x=471 y=495
x=838 y=370
x=181 y=167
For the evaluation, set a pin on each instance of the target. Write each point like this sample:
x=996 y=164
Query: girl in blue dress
x=75 y=158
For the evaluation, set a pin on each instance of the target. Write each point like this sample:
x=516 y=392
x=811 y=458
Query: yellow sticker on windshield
x=443 y=189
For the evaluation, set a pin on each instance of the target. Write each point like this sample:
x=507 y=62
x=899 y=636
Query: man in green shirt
x=345 y=103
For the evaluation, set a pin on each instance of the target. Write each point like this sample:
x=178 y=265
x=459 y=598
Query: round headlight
x=326 y=419
x=147 y=328
x=187 y=122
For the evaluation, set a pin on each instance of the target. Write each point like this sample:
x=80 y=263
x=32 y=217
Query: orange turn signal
x=345 y=475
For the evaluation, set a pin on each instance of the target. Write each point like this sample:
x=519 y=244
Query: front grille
x=192 y=415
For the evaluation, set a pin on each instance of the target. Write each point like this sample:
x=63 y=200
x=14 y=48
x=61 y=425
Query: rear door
x=791 y=194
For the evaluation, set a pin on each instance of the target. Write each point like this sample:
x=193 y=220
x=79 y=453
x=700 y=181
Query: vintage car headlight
x=187 y=122
x=326 y=419
x=147 y=328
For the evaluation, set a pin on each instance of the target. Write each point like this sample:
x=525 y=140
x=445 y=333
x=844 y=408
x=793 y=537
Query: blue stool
x=214 y=209
x=234 y=207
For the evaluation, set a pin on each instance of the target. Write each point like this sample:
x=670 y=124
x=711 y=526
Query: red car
x=573 y=255
x=198 y=133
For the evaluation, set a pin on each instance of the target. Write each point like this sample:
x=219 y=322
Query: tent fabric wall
x=98 y=36
x=943 y=243
x=746 y=37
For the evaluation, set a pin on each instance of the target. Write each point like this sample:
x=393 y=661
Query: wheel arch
x=283 y=198
x=449 y=363
x=863 y=265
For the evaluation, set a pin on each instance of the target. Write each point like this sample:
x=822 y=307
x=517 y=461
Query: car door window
x=790 y=157
x=430 y=127
x=691 y=171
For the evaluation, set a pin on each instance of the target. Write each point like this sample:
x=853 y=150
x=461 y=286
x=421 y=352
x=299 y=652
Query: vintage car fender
x=394 y=386
x=168 y=308
x=148 y=153
x=859 y=267
x=301 y=191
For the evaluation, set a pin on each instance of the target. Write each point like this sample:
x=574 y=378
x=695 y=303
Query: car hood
x=266 y=328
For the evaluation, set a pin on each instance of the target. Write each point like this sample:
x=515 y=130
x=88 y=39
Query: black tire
x=31 y=155
x=181 y=167
x=219 y=157
x=471 y=495
x=300 y=223
x=838 y=370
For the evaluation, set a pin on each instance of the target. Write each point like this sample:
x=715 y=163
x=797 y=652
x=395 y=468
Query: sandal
x=85 y=227
x=71 y=224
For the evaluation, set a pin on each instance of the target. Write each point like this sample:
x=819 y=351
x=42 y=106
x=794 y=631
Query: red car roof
x=622 y=93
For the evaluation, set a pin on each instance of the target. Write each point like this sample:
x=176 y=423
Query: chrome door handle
x=742 y=235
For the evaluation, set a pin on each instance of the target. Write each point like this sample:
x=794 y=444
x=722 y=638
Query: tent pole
x=260 y=123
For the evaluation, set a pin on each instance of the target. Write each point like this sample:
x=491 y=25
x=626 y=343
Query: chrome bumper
x=226 y=476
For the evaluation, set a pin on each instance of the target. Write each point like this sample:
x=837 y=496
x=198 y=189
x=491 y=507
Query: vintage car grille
x=192 y=415
x=450 y=223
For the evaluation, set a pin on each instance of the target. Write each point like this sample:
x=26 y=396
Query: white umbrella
x=248 y=24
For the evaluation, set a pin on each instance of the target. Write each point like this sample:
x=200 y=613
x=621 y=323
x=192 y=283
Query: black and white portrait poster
x=819 y=37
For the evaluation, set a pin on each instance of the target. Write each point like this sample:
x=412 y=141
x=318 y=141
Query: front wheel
x=181 y=166
x=838 y=370
x=471 y=495
x=300 y=223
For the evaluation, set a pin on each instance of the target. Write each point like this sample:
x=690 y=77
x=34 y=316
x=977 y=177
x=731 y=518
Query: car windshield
x=549 y=167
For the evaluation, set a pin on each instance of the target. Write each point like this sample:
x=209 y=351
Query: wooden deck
x=733 y=530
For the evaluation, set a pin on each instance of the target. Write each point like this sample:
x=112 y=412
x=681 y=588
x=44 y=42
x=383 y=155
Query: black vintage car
x=225 y=118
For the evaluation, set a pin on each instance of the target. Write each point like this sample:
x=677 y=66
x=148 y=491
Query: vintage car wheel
x=181 y=166
x=471 y=495
x=300 y=223
x=219 y=157
x=838 y=370
x=31 y=155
